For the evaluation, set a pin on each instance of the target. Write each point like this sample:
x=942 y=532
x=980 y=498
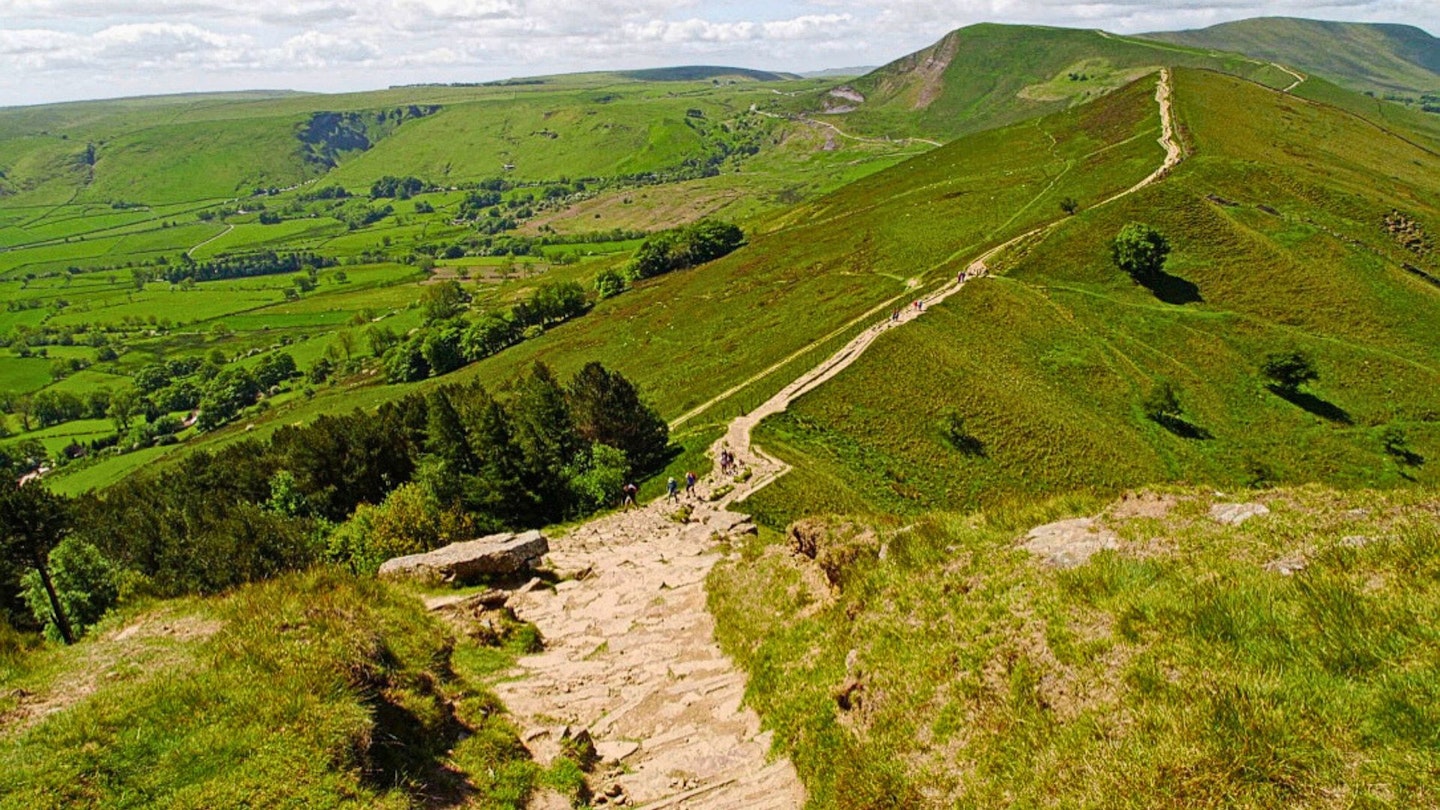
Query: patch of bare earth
x=930 y=72
x=151 y=646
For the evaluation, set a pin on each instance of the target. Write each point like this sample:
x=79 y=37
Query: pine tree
x=546 y=436
x=32 y=523
x=607 y=409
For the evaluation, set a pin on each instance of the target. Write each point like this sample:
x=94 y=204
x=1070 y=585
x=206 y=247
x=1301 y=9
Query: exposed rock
x=1233 y=514
x=467 y=603
x=1287 y=565
x=615 y=750
x=497 y=554
x=1069 y=543
x=836 y=548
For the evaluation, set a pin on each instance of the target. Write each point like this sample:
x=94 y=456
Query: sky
x=59 y=50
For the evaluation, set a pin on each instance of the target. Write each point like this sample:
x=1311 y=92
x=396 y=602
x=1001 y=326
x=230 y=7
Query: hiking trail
x=630 y=654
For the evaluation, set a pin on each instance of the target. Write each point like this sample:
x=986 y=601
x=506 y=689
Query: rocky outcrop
x=836 y=548
x=1233 y=514
x=1069 y=543
x=495 y=555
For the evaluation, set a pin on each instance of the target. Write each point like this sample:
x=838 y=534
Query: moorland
x=256 y=343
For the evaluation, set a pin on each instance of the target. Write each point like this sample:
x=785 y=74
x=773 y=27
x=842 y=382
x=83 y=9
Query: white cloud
x=52 y=49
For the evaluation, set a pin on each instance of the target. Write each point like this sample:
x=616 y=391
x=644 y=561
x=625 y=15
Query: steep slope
x=1036 y=382
x=827 y=268
x=1284 y=662
x=991 y=75
x=1362 y=56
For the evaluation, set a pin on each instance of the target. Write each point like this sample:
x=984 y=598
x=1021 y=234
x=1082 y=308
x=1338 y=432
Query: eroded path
x=630 y=656
x=630 y=652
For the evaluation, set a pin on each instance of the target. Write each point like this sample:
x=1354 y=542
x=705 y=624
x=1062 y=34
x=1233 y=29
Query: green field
x=163 y=260
x=1395 y=59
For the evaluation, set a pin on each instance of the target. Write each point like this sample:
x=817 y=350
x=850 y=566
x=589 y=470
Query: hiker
x=672 y=490
x=630 y=490
x=689 y=484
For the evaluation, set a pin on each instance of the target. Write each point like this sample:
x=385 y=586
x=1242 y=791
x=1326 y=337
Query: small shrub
x=1287 y=371
x=1140 y=251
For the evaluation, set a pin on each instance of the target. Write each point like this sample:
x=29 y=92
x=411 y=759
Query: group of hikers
x=672 y=486
x=919 y=304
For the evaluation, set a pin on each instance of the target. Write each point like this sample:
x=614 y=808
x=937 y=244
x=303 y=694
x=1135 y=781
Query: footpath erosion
x=630 y=658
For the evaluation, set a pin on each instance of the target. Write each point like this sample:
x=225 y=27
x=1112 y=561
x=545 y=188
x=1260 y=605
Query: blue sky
x=54 y=50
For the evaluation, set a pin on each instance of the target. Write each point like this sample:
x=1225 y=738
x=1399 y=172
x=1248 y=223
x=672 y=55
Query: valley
x=1081 y=391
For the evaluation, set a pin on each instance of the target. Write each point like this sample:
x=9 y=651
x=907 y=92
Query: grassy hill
x=157 y=150
x=1281 y=242
x=1386 y=59
x=990 y=75
x=932 y=662
x=315 y=690
x=687 y=337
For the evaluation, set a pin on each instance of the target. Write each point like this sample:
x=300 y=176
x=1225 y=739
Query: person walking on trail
x=672 y=490
x=689 y=484
x=630 y=490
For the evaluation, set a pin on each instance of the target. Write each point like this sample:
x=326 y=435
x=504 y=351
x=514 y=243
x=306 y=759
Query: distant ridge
x=696 y=73
x=1372 y=57
x=988 y=75
x=837 y=73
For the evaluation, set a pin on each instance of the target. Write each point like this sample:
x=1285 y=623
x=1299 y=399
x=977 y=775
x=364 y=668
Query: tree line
x=348 y=489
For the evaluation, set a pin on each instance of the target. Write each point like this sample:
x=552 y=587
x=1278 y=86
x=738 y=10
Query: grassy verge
x=314 y=690
x=940 y=665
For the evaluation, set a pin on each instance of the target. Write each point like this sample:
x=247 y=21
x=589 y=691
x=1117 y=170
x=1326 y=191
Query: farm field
x=1141 y=516
x=683 y=337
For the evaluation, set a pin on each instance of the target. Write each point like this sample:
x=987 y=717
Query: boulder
x=1069 y=543
x=495 y=555
x=1233 y=514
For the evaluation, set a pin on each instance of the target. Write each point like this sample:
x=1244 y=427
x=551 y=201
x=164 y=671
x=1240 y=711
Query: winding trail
x=191 y=251
x=630 y=654
x=1299 y=77
x=805 y=119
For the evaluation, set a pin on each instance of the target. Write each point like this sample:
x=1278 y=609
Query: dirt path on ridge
x=630 y=654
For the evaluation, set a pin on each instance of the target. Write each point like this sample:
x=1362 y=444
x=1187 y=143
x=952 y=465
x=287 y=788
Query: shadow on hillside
x=1174 y=289
x=968 y=445
x=1182 y=428
x=405 y=749
x=1313 y=404
x=1407 y=458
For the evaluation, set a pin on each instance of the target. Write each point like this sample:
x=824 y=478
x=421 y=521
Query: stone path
x=630 y=656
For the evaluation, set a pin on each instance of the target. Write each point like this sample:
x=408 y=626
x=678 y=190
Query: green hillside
x=1281 y=240
x=314 y=690
x=1285 y=662
x=1387 y=59
x=169 y=149
x=990 y=75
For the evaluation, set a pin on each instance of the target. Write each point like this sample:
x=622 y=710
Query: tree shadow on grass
x=967 y=445
x=1173 y=289
x=1407 y=458
x=1313 y=404
x=1182 y=428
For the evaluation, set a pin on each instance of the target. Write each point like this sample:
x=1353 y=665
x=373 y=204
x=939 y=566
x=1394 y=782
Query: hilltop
x=1036 y=382
x=454 y=310
x=1393 y=60
x=990 y=75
